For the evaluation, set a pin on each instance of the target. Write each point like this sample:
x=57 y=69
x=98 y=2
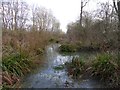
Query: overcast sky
x=66 y=10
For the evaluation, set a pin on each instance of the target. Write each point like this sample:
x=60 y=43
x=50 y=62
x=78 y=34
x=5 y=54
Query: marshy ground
x=53 y=74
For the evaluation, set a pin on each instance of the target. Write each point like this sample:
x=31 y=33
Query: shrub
x=75 y=67
x=57 y=41
x=39 y=51
x=106 y=67
x=54 y=40
x=16 y=64
x=67 y=48
x=51 y=40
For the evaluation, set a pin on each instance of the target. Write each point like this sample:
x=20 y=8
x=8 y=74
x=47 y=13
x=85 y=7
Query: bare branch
x=85 y=3
x=114 y=3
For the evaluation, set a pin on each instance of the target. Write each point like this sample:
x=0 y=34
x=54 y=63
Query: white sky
x=66 y=11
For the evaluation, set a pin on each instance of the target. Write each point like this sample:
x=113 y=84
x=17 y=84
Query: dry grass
x=26 y=43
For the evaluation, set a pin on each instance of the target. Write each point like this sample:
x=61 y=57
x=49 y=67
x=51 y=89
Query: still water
x=47 y=77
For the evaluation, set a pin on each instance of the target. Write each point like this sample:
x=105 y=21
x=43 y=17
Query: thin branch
x=85 y=3
x=115 y=6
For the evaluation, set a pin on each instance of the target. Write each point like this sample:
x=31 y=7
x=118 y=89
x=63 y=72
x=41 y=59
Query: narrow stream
x=48 y=77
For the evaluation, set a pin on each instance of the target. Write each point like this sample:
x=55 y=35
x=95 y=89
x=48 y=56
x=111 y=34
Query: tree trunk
x=118 y=4
x=81 y=11
x=117 y=8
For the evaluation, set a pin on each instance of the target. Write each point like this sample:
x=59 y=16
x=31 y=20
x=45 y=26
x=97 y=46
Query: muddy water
x=48 y=77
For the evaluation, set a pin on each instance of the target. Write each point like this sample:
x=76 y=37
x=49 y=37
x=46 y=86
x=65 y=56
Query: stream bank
x=48 y=77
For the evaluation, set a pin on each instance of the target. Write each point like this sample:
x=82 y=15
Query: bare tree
x=5 y=12
x=117 y=8
x=55 y=25
x=105 y=14
x=3 y=15
x=23 y=15
x=43 y=20
x=14 y=14
x=33 y=17
x=83 y=4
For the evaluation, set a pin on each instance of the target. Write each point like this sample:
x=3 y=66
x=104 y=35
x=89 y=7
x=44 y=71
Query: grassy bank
x=75 y=68
x=22 y=51
x=105 y=67
x=67 y=48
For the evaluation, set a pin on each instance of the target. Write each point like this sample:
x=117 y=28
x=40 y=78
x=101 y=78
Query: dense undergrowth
x=75 y=67
x=67 y=48
x=105 y=67
x=21 y=52
x=14 y=66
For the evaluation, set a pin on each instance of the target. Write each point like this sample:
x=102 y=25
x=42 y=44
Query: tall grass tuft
x=21 y=50
x=106 y=67
x=16 y=64
x=75 y=67
x=67 y=48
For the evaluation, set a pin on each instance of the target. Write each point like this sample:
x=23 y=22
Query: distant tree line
x=18 y=15
x=96 y=28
